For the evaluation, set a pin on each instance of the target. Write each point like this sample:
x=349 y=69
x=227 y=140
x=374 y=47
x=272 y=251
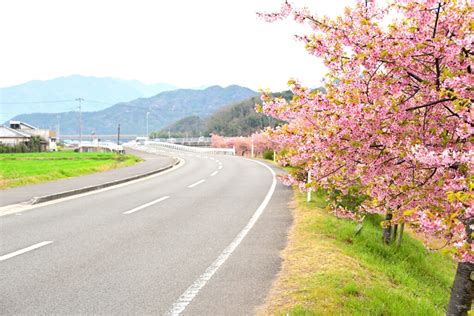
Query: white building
x=48 y=135
x=10 y=136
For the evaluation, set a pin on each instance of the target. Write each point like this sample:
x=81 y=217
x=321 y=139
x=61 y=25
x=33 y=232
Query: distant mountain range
x=58 y=95
x=163 y=109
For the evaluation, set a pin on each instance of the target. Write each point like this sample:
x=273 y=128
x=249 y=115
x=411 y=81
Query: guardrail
x=201 y=150
x=102 y=145
x=199 y=141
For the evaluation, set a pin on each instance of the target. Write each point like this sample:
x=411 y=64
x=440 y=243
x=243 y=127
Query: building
x=12 y=137
x=20 y=132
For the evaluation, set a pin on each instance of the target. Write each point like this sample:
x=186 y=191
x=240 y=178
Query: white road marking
x=21 y=207
x=214 y=173
x=196 y=183
x=22 y=251
x=187 y=297
x=146 y=205
x=220 y=167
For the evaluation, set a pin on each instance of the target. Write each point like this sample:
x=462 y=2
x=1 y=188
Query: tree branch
x=436 y=21
x=414 y=76
x=430 y=104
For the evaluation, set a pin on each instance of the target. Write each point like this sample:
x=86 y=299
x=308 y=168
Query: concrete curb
x=55 y=196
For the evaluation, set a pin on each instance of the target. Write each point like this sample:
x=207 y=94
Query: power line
x=38 y=102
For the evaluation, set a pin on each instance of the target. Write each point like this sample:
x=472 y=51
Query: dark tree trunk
x=387 y=229
x=394 y=233
x=462 y=292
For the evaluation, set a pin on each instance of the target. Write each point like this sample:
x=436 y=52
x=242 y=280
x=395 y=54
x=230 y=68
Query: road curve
x=136 y=249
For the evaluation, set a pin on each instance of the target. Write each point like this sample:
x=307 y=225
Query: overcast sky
x=183 y=42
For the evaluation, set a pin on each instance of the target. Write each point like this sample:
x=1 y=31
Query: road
x=197 y=240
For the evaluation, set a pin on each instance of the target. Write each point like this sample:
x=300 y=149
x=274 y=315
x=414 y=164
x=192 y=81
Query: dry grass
x=327 y=270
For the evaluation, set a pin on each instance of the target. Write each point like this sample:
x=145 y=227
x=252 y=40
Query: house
x=10 y=136
x=47 y=136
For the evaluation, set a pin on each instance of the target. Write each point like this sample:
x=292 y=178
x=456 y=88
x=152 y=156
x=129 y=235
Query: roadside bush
x=268 y=154
x=20 y=148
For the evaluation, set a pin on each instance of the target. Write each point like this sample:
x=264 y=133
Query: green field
x=328 y=270
x=29 y=168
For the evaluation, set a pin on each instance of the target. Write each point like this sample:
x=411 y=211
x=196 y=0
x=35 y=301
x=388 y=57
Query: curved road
x=185 y=241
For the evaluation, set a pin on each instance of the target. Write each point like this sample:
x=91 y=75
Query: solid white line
x=196 y=183
x=187 y=297
x=214 y=173
x=146 y=205
x=22 y=251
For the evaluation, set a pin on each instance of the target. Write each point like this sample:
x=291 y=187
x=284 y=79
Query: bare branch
x=414 y=76
x=430 y=104
x=436 y=21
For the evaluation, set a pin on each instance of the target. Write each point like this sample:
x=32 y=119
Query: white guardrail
x=94 y=144
x=201 y=150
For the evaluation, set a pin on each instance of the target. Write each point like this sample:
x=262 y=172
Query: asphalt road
x=136 y=249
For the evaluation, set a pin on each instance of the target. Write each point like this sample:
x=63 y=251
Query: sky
x=182 y=42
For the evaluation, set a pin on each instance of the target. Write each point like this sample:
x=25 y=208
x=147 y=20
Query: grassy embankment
x=328 y=270
x=29 y=168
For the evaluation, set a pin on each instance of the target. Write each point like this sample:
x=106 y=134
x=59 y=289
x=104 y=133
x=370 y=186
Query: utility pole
x=80 y=119
x=118 y=135
x=147 y=114
x=58 y=127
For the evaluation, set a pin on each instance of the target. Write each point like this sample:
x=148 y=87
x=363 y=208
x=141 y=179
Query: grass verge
x=327 y=270
x=30 y=168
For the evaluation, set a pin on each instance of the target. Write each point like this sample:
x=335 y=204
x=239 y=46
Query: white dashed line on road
x=196 y=183
x=22 y=251
x=214 y=173
x=188 y=296
x=146 y=205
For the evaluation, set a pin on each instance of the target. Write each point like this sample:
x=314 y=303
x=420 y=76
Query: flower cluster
x=397 y=119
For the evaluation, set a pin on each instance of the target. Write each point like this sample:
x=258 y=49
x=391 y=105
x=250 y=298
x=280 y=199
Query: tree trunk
x=400 y=234
x=387 y=229
x=394 y=233
x=462 y=292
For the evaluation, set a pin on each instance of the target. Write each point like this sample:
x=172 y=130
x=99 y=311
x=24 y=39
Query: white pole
x=252 y=146
x=309 y=188
x=274 y=156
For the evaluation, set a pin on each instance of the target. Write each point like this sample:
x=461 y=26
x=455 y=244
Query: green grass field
x=328 y=270
x=29 y=168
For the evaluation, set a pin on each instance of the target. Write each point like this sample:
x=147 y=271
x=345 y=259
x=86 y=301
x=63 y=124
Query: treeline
x=238 y=119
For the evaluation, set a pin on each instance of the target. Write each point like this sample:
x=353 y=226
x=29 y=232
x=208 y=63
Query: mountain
x=58 y=95
x=189 y=126
x=163 y=109
x=236 y=119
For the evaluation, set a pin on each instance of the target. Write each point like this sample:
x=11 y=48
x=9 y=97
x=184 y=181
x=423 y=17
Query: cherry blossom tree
x=396 y=123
